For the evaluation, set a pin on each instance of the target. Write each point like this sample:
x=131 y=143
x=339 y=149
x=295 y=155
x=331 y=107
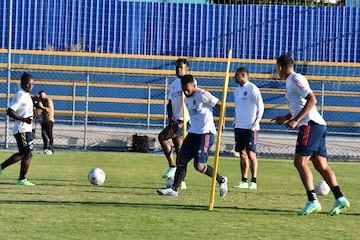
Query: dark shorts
x=24 y=142
x=197 y=146
x=245 y=139
x=171 y=130
x=311 y=140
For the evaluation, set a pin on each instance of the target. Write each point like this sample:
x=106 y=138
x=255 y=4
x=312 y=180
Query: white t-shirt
x=297 y=88
x=200 y=106
x=23 y=106
x=249 y=106
x=175 y=96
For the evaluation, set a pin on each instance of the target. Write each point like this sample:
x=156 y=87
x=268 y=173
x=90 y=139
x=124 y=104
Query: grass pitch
x=63 y=205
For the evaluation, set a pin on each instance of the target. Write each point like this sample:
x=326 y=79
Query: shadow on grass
x=155 y=205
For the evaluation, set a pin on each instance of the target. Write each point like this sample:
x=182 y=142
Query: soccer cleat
x=242 y=184
x=223 y=188
x=167 y=192
x=310 y=207
x=170 y=173
x=47 y=151
x=24 y=182
x=252 y=186
x=183 y=185
x=340 y=205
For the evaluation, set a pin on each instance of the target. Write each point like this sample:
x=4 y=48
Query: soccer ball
x=96 y=176
x=322 y=188
x=169 y=182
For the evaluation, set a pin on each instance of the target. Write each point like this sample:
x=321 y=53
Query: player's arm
x=310 y=103
x=282 y=119
x=11 y=113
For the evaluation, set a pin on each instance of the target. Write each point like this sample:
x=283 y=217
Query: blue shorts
x=197 y=146
x=245 y=139
x=24 y=142
x=179 y=129
x=311 y=140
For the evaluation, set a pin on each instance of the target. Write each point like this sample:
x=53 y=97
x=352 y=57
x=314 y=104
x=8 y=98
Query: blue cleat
x=341 y=204
x=310 y=207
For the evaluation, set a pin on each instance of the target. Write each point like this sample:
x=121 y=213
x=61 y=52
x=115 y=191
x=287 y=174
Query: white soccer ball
x=96 y=176
x=322 y=188
x=169 y=182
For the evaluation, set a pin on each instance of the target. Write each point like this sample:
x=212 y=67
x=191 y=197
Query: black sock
x=179 y=176
x=311 y=195
x=244 y=179
x=208 y=170
x=337 y=192
x=253 y=179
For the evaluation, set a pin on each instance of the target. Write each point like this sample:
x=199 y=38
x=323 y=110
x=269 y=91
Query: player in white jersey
x=311 y=144
x=200 y=136
x=249 y=108
x=21 y=109
x=174 y=129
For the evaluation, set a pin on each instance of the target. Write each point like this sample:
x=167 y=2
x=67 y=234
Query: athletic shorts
x=24 y=142
x=245 y=139
x=197 y=146
x=311 y=140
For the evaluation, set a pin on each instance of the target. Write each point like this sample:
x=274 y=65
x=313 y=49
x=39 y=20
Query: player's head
x=188 y=85
x=241 y=75
x=284 y=65
x=181 y=67
x=27 y=82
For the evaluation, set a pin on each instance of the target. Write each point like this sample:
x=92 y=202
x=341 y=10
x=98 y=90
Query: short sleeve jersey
x=200 y=106
x=249 y=106
x=175 y=96
x=297 y=88
x=23 y=106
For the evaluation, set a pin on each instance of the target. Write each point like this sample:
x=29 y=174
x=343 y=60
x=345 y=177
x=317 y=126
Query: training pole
x=220 y=127
x=185 y=114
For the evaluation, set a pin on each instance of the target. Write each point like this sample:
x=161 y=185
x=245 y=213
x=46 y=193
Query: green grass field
x=63 y=205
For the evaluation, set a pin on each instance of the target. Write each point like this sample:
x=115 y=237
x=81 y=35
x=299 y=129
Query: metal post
x=322 y=98
x=86 y=109
x=148 y=108
x=165 y=100
x=73 y=107
x=8 y=80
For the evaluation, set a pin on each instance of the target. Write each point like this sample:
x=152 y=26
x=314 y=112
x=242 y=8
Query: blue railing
x=178 y=29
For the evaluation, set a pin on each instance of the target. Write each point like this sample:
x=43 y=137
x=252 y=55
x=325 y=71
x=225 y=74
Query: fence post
x=165 y=100
x=73 y=105
x=86 y=109
x=148 y=108
x=322 y=98
x=8 y=80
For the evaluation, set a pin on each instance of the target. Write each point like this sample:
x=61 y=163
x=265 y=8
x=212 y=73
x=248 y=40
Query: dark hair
x=41 y=91
x=25 y=77
x=182 y=61
x=285 y=61
x=242 y=69
x=187 y=79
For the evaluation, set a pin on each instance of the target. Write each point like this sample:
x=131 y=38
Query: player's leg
x=186 y=154
x=253 y=168
x=163 y=137
x=304 y=149
x=203 y=146
x=11 y=160
x=49 y=129
x=26 y=151
x=241 y=141
x=321 y=165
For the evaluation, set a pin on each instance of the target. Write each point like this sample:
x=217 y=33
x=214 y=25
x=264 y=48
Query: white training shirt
x=200 y=106
x=249 y=106
x=297 y=88
x=23 y=106
x=175 y=96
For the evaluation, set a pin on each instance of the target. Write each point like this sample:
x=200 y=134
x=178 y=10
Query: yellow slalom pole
x=185 y=113
x=220 y=127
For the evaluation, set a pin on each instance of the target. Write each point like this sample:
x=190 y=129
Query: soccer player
x=200 y=136
x=174 y=129
x=21 y=109
x=311 y=144
x=249 y=108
